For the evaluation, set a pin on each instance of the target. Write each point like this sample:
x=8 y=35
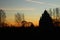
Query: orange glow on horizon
x=11 y=23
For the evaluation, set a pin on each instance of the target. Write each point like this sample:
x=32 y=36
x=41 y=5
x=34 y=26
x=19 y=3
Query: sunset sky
x=32 y=9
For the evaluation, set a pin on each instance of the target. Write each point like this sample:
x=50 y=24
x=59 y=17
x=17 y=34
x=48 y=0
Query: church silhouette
x=46 y=23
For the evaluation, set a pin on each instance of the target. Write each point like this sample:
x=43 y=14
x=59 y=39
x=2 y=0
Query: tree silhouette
x=51 y=13
x=2 y=17
x=45 y=22
x=23 y=23
x=32 y=27
x=57 y=13
x=18 y=18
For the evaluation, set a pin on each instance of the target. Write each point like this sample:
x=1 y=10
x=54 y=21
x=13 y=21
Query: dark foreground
x=29 y=29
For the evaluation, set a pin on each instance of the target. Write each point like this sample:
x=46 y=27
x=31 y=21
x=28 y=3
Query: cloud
x=30 y=9
x=50 y=4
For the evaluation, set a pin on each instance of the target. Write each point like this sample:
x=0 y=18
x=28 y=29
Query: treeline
x=46 y=24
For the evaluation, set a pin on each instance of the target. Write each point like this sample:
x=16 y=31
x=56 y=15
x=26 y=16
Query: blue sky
x=31 y=8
